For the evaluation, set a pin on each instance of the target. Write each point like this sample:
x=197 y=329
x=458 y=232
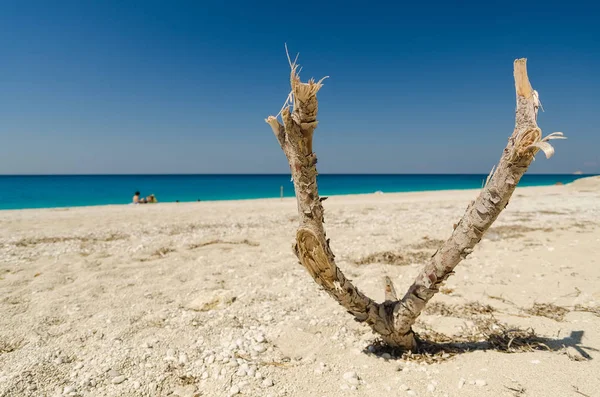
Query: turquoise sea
x=48 y=191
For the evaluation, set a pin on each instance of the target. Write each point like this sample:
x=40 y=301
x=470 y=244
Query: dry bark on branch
x=393 y=318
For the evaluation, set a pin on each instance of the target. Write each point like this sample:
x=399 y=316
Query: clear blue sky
x=184 y=87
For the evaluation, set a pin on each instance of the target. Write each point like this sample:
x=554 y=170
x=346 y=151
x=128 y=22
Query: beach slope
x=207 y=299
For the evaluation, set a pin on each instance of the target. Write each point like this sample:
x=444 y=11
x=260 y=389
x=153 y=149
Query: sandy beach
x=207 y=299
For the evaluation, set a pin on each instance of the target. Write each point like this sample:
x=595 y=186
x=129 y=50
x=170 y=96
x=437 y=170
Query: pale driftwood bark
x=393 y=319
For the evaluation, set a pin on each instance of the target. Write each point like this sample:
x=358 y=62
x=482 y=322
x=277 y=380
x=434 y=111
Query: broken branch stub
x=393 y=319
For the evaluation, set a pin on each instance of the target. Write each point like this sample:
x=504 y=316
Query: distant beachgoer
x=143 y=200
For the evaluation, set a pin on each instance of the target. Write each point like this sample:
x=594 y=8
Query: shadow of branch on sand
x=486 y=334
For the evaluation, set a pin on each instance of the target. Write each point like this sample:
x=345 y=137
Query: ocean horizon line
x=284 y=174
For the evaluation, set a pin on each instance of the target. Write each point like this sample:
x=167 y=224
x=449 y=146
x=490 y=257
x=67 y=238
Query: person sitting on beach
x=136 y=198
x=151 y=199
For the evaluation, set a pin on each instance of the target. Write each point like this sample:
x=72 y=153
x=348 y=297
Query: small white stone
x=267 y=382
x=258 y=375
x=183 y=358
x=351 y=377
x=430 y=388
x=461 y=383
x=78 y=366
x=119 y=379
x=260 y=338
x=136 y=385
x=404 y=387
x=353 y=381
x=210 y=359
x=386 y=356
x=268 y=317
x=235 y=389
x=480 y=382
x=68 y=389
x=259 y=348
x=411 y=393
x=113 y=373
x=535 y=361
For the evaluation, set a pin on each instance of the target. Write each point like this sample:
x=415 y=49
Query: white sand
x=107 y=301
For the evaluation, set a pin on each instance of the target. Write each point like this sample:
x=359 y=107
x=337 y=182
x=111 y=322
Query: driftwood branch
x=393 y=319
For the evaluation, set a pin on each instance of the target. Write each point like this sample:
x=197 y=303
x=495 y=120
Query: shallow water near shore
x=51 y=191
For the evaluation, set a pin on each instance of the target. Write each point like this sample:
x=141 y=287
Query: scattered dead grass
x=551 y=212
x=447 y=290
x=547 y=310
x=467 y=310
x=439 y=308
x=247 y=358
x=428 y=244
x=187 y=379
x=219 y=241
x=487 y=334
x=576 y=390
x=31 y=241
x=504 y=338
x=162 y=252
x=517 y=391
x=588 y=309
x=501 y=299
x=419 y=252
x=516 y=231
x=395 y=258
x=10 y=345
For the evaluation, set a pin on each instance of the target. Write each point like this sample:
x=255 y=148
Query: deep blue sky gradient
x=183 y=87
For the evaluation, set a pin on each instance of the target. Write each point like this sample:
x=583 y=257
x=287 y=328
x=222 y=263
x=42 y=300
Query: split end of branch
x=277 y=128
x=522 y=84
x=305 y=91
x=273 y=122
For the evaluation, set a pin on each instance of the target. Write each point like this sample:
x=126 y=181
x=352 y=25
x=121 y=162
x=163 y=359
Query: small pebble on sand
x=118 y=379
